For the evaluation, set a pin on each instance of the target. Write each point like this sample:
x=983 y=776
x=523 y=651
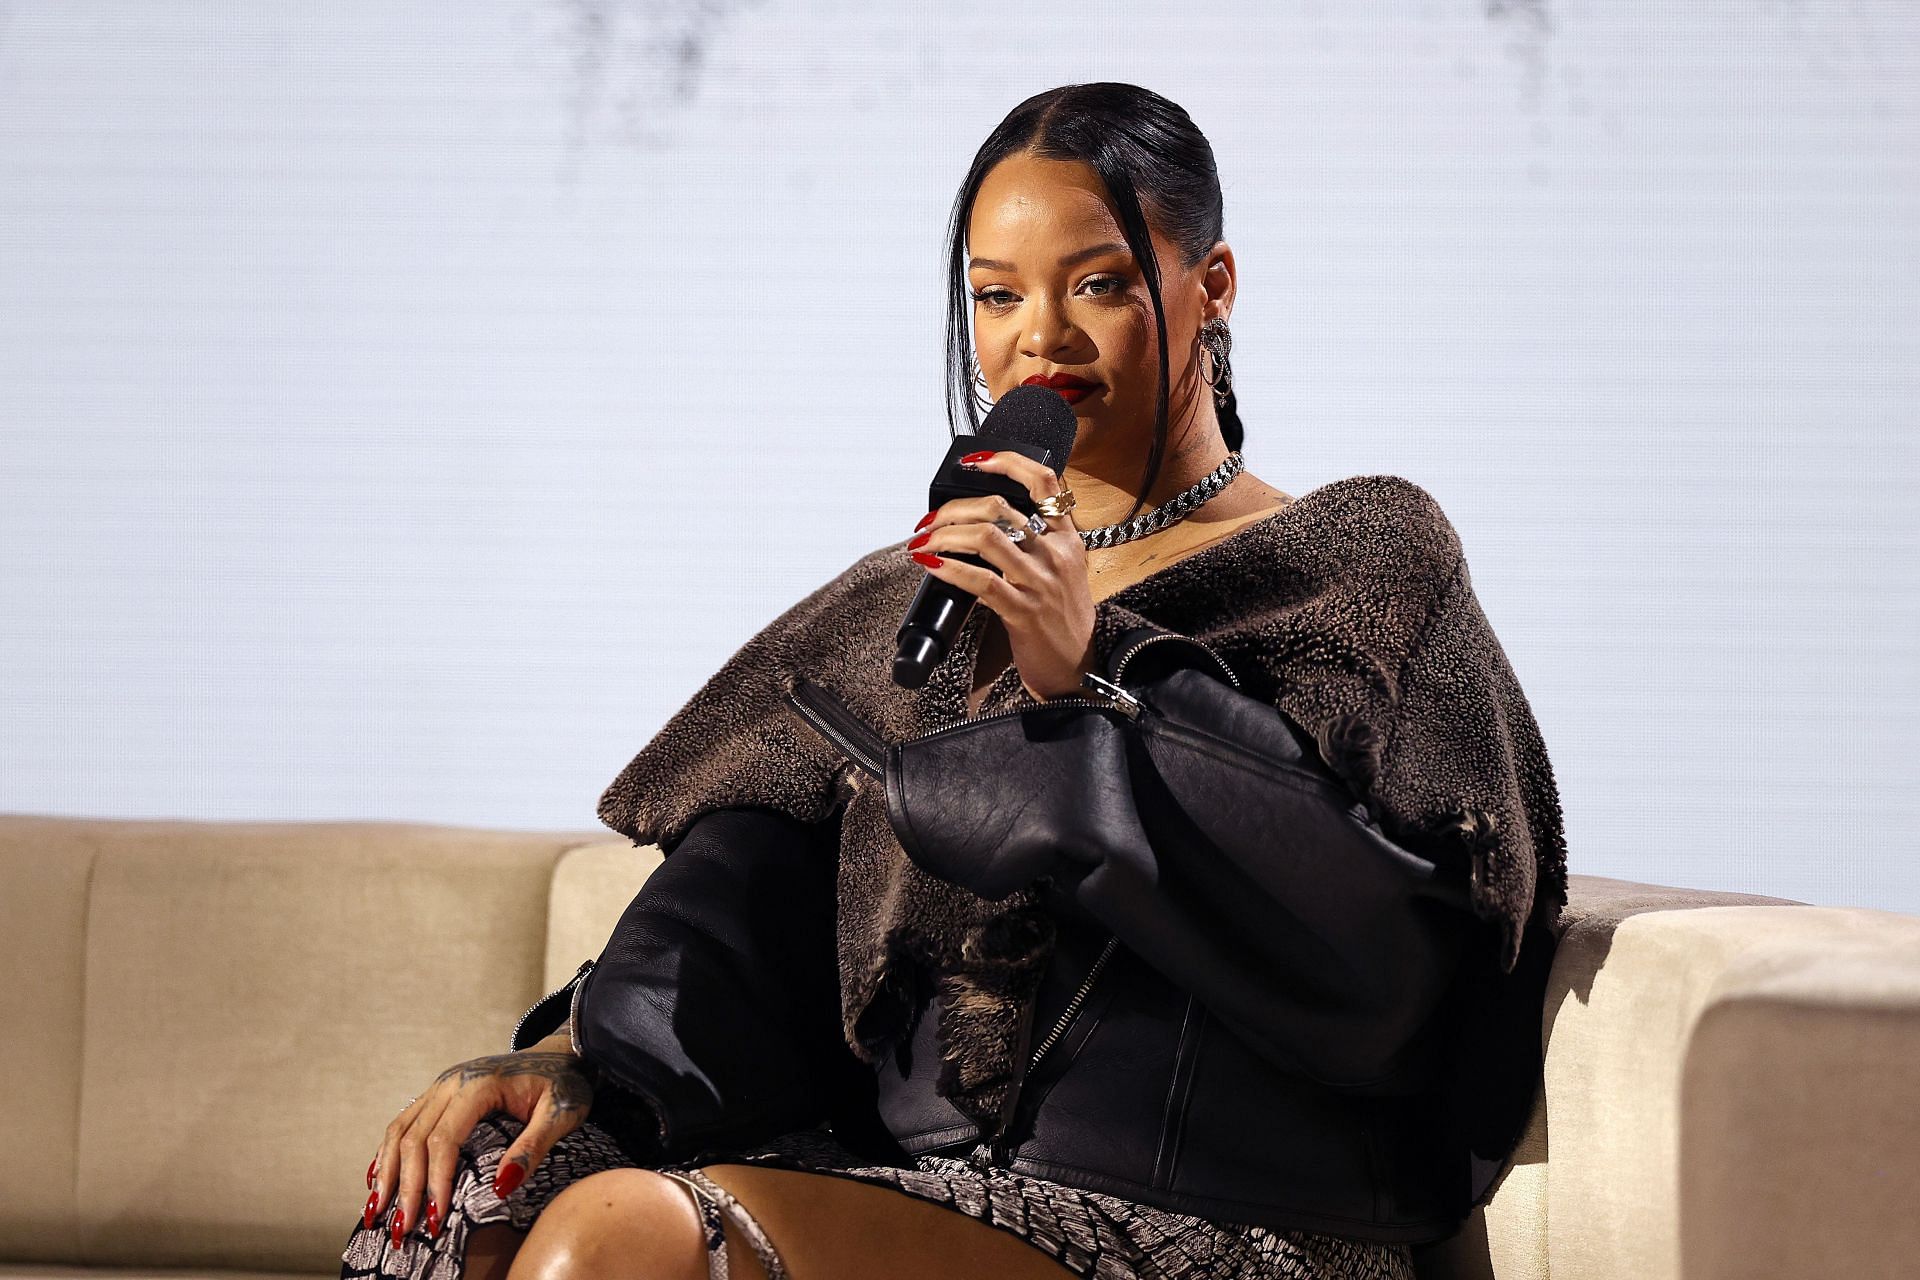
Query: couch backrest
x=209 y=1025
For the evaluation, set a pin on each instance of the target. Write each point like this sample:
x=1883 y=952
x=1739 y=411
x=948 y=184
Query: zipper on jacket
x=839 y=726
x=1104 y=702
x=996 y=1151
x=1123 y=702
x=1068 y=1014
x=833 y=720
x=579 y=985
x=1120 y=666
x=518 y=1026
x=1105 y=695
x=573 y=1015
x=827 y=714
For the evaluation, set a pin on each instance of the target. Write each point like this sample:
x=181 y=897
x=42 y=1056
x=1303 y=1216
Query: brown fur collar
x=1351 y=610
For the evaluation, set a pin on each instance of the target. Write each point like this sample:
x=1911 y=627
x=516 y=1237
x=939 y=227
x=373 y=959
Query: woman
x=1086 y=252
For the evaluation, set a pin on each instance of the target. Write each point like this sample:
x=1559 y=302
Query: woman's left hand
x=1040 y=592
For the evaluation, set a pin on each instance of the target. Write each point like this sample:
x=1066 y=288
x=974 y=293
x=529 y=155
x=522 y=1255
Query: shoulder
x=874 y=580
x=1384 y=523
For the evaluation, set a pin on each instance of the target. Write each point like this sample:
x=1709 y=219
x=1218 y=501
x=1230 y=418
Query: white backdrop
x=403 y=408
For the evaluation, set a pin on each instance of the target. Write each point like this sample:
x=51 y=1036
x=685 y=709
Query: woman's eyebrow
x=1078 y=255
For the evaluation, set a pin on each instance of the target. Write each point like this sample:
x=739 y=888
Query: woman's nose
x=1051 y=336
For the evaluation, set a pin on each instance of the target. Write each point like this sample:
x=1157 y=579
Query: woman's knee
x=618 y=1224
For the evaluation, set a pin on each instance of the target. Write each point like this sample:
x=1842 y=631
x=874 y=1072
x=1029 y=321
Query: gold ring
x=1056 y=504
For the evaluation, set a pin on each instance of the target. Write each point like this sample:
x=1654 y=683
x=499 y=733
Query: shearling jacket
x=1351 y=611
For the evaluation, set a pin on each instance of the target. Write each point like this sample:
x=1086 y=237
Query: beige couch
x=208 y=1025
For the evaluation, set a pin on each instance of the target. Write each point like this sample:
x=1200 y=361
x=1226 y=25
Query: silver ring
x=1037 y=523
x=1013 y=531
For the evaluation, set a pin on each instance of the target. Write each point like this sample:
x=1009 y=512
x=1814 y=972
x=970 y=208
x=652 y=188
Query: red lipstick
x=1072 y=389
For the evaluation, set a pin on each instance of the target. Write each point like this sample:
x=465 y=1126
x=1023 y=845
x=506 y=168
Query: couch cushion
x=258 y=1001
x=592 y=887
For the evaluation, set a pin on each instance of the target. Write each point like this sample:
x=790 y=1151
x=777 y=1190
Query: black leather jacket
x=1145 y=1095
x=1142 y=1092
x=717 y=1011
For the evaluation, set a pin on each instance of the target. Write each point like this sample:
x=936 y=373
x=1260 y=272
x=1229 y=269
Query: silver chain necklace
x=1174 y=509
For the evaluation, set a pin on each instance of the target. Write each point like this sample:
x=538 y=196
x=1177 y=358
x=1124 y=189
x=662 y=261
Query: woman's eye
x=993 y=297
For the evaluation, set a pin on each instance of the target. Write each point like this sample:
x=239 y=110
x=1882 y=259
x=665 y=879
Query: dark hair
x=1148 y=152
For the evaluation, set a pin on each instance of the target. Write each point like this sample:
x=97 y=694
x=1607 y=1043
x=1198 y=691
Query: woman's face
x=1055 y=290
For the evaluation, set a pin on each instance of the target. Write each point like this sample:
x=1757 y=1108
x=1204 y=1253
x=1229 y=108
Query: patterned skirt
x=1089 y=1233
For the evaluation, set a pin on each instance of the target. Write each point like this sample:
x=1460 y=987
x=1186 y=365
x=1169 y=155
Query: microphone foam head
x=1035 y=415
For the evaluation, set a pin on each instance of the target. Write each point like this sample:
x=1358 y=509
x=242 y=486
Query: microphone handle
x=939 y=609
x=934 y=619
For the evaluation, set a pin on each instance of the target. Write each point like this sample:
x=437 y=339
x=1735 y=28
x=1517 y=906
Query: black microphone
x=1031 y=419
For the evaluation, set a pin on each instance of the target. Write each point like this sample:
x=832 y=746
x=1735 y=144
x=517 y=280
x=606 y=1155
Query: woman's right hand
x=543 y=1085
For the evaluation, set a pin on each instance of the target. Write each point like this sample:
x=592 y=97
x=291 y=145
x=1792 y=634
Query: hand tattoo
x=572 y=1086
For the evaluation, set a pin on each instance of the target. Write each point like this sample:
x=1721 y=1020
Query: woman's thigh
x=618 y=1224
x=490 y=1251
x=825 y=1226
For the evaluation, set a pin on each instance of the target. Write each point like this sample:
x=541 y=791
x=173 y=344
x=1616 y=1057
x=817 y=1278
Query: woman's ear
x=1220 y=282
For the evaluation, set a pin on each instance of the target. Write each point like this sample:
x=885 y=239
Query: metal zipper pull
x=1123 y=702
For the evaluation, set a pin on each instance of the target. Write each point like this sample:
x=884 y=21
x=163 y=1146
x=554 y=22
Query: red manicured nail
x=508 y=1178
x=399 y=1225
x=366 y=1215
x=981 y=456
x=928 y=559
x=925 y=520
x=370 y=1167
x=433 y=1217
x=917 y=541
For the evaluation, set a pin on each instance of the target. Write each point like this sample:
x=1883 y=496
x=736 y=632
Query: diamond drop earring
x=1217 y=341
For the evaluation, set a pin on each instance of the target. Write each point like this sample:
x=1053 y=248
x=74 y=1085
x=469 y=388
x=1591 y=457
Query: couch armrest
x=1730 y=1086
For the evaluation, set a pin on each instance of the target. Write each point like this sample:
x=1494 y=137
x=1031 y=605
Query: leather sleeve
x=548 y=1014
x=716 y=999
x=1236 y=863
x=1315 y=942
